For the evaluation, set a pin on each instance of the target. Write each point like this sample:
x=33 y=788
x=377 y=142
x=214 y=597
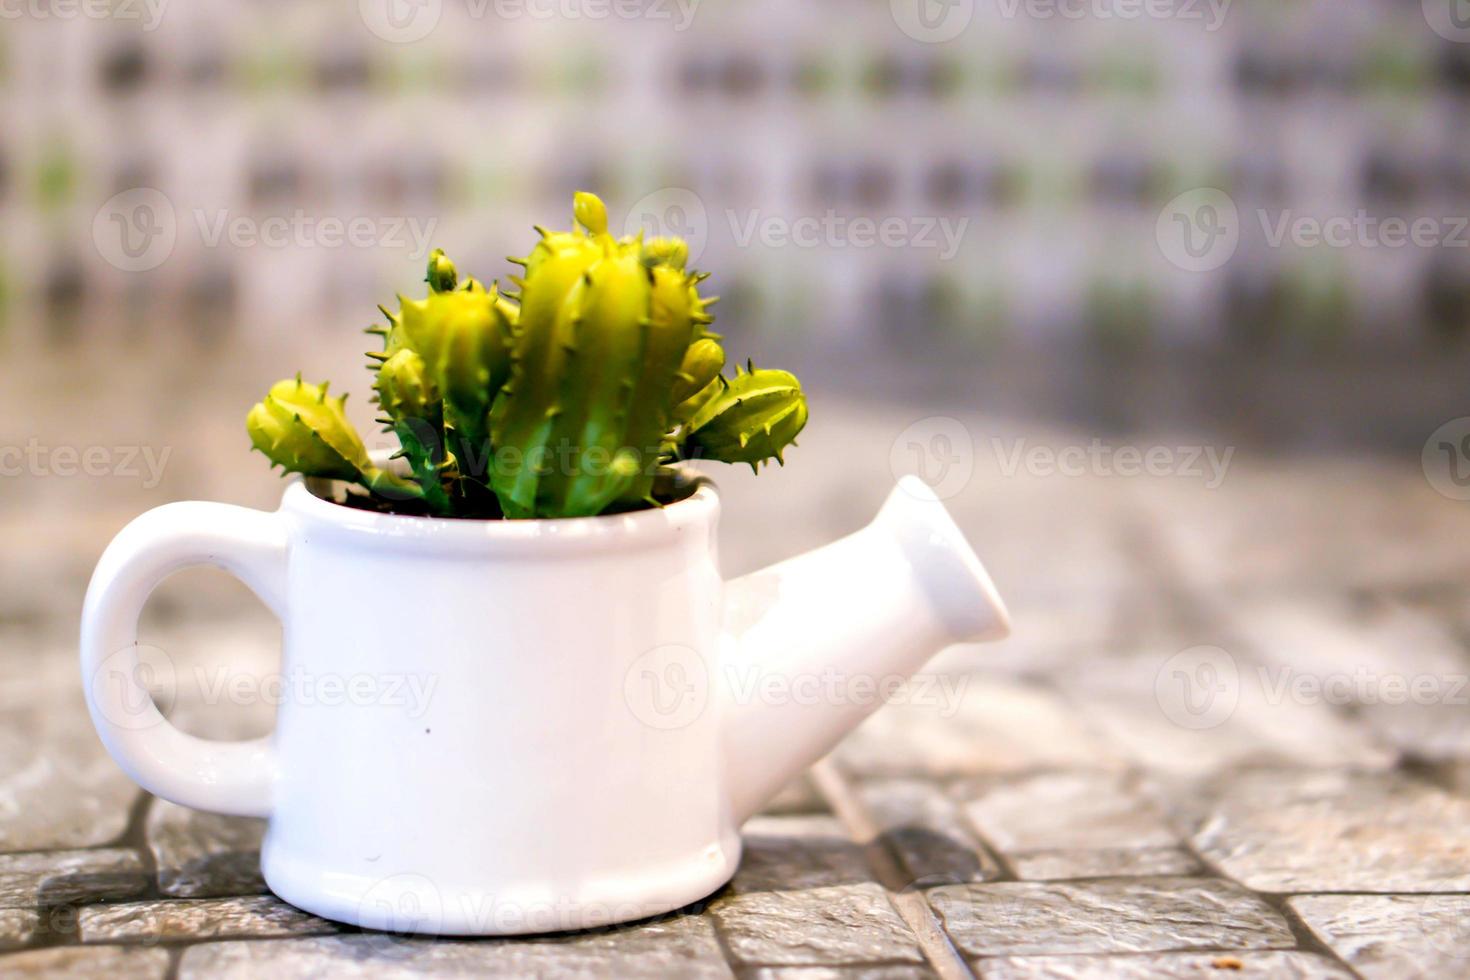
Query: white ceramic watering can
x=500 y=727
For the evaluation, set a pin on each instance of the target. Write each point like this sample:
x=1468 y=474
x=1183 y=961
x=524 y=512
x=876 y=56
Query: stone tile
x=798 y=797
x=1205 y=966
x=788 y=853
x=17 y=927
x=58 y=786
x=1124 y=915
x=843 y=973
x=256 y=917
x=923 y=830
x=67 y=877
x=202 y=855
x=1293 y=831
x=681 y=946
x=847 y=924
x=1392 y=936
x=1060 y=864
x=999 y=727
x=87 y=963
x=1075 y=825
x=1268 y=528
x=1151 y=706
x=1401 y=669
x=1073 y=811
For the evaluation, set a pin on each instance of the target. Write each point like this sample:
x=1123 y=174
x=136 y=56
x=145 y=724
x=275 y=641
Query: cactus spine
x=567 y=399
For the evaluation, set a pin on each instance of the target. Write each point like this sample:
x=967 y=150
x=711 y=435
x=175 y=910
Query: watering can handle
x=222 y=777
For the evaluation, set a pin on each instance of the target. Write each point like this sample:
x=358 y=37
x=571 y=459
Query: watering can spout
x=818 y=641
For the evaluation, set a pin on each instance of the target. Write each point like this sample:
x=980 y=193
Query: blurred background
x=1012 y=244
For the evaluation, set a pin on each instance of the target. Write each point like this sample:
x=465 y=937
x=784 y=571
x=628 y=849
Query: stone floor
x=1231 y=736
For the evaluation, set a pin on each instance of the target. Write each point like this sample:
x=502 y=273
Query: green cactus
x=568 y=398
x=409 y=395
x=748 y=420
x=300 y=428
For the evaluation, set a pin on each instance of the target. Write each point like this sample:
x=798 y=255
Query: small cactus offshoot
x=569 y=394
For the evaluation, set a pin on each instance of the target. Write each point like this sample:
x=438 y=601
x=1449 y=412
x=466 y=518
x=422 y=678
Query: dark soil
x=358 y=500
